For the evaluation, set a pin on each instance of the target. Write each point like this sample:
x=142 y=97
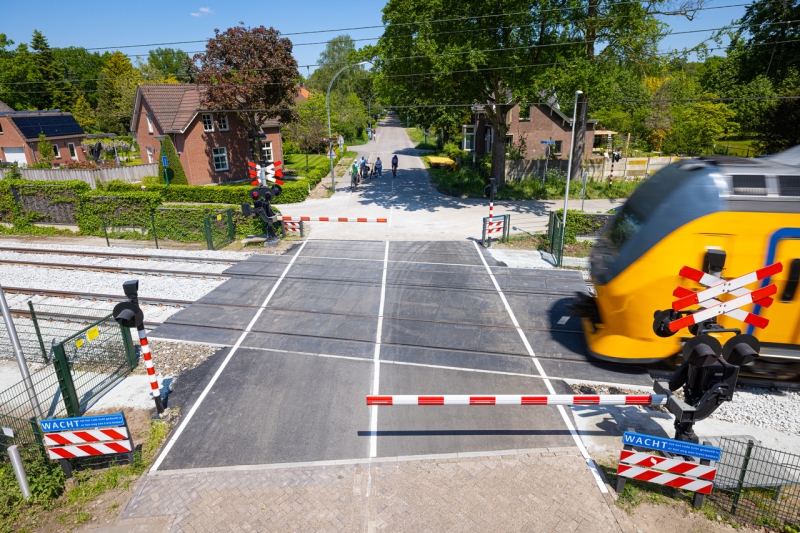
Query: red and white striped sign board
x=515 y=399
x=88 y=436
x=674 y=473
x=332 y=219
x=87 y=450
x=711 y=306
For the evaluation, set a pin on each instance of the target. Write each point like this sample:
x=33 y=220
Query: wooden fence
x=626 y=168
x=133 y=174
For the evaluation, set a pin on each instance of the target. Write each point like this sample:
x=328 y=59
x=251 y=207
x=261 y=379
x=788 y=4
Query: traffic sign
x=274 y=169
x=164 y=161
x=82 y=422
x=331 y=153
x=330 y=139
x=678 y=447
x=547 y=142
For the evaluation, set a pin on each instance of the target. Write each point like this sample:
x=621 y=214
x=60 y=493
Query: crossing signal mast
x=267 y=186
x=710 y=370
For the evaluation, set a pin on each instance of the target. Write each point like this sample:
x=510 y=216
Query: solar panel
x=51 y=126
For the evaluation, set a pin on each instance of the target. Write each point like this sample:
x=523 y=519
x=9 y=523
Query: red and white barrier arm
x=722 y=286
x=333 y=219
x=731 y=308
x=515 y=399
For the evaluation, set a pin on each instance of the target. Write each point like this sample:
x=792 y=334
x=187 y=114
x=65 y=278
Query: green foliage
x=779 y=126
x=175 y=171
x=122 y=210
x=46 y=485
x=48 y=191
x=697 y=125
x=580 y=223
x=117 y=91
x=45 y=151
x=290 y=148
x=84 y=114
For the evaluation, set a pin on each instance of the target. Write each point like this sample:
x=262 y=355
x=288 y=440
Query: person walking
x=354 y=175
x=379 y=167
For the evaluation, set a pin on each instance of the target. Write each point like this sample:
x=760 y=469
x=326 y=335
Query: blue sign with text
x=164 y=161
x=677 y=447
x=82 y=422
x=548 y=142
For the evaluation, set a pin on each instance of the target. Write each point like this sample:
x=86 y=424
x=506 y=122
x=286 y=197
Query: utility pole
x=572 y=153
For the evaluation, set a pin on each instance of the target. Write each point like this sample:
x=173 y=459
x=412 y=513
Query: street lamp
x=328 y=105
x=569 y=170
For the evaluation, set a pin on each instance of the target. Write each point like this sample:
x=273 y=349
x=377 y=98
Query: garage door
x=15 y=155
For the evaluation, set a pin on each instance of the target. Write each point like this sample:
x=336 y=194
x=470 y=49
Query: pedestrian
x=379 y=167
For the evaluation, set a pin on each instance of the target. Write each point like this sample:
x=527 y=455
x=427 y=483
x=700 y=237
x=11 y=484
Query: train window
x=749 y=185
x=624 y=226
x=789 y=185
x=791 y=283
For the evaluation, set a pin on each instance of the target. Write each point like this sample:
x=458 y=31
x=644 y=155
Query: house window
x=1 y=129
x=266 y=152
x=556 y=148
x=488 y=139
x=72 y=153
x=220 y=158
x=524 y=112
x=509 y=140
x=149 y=124
x=469 y=138
x=222 y=120
x=56 y=153
x=149 y=154
x=208 y=122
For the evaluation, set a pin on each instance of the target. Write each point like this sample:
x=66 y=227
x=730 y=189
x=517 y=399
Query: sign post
x=165 y=163
x=547 y=145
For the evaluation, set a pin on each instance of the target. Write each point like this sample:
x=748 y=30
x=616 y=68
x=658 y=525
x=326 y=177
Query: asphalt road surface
x=311 y=333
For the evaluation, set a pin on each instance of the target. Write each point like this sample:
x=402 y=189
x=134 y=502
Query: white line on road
x=217 y=374
x=589 y=461
x=373 y=439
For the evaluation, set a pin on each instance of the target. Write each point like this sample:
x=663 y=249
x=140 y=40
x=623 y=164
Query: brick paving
x=538 y=490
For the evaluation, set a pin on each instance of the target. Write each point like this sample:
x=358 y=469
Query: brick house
x=534 y=123
x=19 y=136
x=213 y=147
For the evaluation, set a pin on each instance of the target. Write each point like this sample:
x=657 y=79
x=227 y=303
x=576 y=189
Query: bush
x=453 y=151
x=174 y=168
x=290 y=148
x=580 y=223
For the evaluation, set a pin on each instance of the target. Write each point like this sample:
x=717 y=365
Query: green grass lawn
x=298 y=162
x=417 y=136
x=739 y=146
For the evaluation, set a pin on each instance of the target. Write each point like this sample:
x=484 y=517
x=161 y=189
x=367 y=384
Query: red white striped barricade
x=710 y=304
x=155 y=391
x=333 y=219
x=697 y=477
x=86 y=436
x=498 y=223
x=516 y=399
x=293 y=226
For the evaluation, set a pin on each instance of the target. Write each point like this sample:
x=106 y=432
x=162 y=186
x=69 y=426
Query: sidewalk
x=526 y=490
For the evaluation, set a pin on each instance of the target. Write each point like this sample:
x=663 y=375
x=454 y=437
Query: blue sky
x=118 y=24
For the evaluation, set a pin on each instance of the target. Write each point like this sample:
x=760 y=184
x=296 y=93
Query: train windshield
x=625 y=225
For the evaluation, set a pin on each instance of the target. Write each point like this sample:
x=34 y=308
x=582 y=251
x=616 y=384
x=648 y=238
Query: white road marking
x=563 y=320
x=373 y=439
x=589 y=461
x=217 y=374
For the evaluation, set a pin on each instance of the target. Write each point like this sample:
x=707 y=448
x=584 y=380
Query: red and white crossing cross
x=253 y=168
x=272 y=170
x=711 y=306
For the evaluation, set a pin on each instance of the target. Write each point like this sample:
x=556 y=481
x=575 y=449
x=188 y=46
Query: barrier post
x=506 y=228
x=283 y=228
x=302 y=229
x=483 y=235
x=697 y=501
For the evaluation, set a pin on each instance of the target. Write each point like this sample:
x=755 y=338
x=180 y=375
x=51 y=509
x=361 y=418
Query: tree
x=175 y=171
x=84 y=114
x=311 y=128
x=252 y=72
x=45 y=150
x=769 y=38
x=82 y=69
x=48 y=93
x=697 y=125
x=171 y=62
x=118 y=82
x=16 y=69
x=340 y=52
x=779 y=126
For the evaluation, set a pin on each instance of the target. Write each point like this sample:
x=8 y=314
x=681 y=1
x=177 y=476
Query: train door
x=784 y=314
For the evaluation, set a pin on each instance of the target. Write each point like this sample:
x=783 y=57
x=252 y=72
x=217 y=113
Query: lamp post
x=569 y=170
x=328 y=106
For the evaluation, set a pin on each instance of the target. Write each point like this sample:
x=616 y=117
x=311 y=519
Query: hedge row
x=581 y=223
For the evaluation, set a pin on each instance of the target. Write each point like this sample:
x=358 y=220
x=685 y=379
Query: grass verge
x=419 y=139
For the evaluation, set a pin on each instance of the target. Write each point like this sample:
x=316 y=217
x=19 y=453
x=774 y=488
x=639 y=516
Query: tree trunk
x=306 y=163
x=591 y=27
x=498 y=120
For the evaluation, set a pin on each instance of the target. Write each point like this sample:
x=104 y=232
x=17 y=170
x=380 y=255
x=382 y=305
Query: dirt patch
x=540 y=242
x=677 y=517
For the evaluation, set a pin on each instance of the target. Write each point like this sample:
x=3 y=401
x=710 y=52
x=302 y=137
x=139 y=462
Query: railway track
x=116 y=270
x=115 y=255
x=94 y=296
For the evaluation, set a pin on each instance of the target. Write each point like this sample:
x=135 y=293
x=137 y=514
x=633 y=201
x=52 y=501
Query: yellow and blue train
x=748 y=208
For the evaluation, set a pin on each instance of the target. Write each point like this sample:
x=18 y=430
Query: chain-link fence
x=758 y=484
x=219 y=229
x=555 y=235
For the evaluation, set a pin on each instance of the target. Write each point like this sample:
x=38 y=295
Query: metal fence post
x=483 y=235
x=65 y=383
x=302 y=230
x=231 y=227
x=742 y=474
x=130 y=351
x=153 y=221
x=506 y=228
x=37 y=436
x=38 y=331
x=19 y=354
x=19 y=471
x=105 y=230
x=209 y=237
x=697 y=501
x=283 y=228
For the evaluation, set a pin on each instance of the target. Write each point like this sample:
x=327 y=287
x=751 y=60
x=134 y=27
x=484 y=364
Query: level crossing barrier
x=290 y=225
x=516 y=399
x=495 y=224
x=332 y=219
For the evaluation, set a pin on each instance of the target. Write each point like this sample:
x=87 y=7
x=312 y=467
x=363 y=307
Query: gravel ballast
x=172 y=358
x=81 y=260
x=212 y=254
x=751 y=406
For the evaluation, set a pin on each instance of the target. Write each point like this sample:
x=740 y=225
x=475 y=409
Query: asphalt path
x=311 y=333
x=415 y=210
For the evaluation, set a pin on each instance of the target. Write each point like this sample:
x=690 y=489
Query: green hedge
x=581 y=223
x=53 y=193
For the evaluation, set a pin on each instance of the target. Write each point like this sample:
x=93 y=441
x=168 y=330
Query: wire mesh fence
x=219 y=229
x=555 y=234
x=758 y=484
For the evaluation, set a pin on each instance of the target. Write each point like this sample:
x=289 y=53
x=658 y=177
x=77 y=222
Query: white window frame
x=149 y=154
x=488 y=139
x=208 y=122
x=56 y=152
x=266 y=149
x=468 y=131
x=223 y=119
x=149 y=123
x=73 y=153
x=222 y=153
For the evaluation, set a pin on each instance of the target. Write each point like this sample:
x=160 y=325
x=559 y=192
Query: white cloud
x=202 y=11
x=196 y=14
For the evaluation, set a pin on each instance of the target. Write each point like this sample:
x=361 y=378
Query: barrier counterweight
x=151 y=371
x=514 y=399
